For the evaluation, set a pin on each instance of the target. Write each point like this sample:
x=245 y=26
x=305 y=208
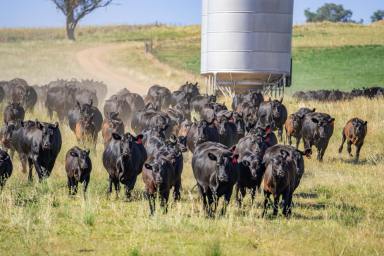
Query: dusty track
x=94 y=61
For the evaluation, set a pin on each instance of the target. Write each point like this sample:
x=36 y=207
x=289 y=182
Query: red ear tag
x=268 y=130
x=234 y=159
x=139 y=141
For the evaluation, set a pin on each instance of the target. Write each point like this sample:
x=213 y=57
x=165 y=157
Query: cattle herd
x=232 y=149
x=337 y=95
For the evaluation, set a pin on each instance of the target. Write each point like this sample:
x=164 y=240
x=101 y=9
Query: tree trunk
x=71 y=26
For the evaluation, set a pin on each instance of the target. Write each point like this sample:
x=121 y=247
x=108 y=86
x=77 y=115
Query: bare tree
x=75 y=10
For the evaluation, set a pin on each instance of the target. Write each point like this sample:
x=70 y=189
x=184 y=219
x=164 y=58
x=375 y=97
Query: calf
x=317 y=130
x=6 y=168
x=78 y=166
x=13 y=112
x=123 y=158
x=215 y=170
x=251 y=171
x=112 y=124
x=158 y=176
x=280 y=179
x=293 y=129
x=354 y=131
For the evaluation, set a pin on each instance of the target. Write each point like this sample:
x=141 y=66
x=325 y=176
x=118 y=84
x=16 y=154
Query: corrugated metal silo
x=246 y=43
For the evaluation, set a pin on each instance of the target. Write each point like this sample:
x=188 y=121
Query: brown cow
x=354 y=131
x=85 y=130
x=293 y=129
x=113 y=124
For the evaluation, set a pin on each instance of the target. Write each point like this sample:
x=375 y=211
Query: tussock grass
x=337 y=208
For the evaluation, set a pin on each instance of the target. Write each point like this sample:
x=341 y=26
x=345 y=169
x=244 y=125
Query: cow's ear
x=73 y=153
x=315 y=120
x=116 y=136
x=78 y=104
x=56 y=125
x=194 y=120
x=313 y=110
x=366 y=122
x=246 y=163
x=148 y=166
x=87 y=151
x=91 y=102
x=213 y=157
x=281 y=100
x=332 y=120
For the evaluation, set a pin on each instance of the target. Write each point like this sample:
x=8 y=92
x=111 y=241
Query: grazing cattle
x=159 y=96
x=118 y=105
x=354 y=132
x=317 y=130
x=215 y=170
x=123 y=158
x=112 y=124
x=13 y=112
x=200 y=132
x=273 y=114
x=251 y=171
x=280 y=178
x=38 y=144
x=78 y=166
x=60 y=99
x=6 y=168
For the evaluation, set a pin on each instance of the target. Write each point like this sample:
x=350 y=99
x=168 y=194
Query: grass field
x=338 y=208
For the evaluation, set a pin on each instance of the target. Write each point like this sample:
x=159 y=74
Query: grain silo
x=246 y=44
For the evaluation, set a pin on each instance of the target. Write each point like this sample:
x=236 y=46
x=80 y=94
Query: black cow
x=215 y=169
x=251 y=171
x=123 y=158
x=118 y=105
x=160 y=96
x=284 y=168
x=227 y=130
x=317 y=130
x=274 y=114
x=200 y=132
x=60 y=99
x=13 y=112
x=78 y=166
x=6 y=168
x=198 y=102
x=258 y=140
x=38 y=144
x=85 y=110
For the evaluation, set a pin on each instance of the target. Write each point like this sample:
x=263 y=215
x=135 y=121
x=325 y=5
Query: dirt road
x=94 y=61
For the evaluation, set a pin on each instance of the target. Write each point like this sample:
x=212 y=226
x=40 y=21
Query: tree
x=329 y=12
x=75 y=10
x=377 y=15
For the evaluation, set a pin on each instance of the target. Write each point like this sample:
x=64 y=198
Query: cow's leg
x=349 y=148
x=203 y=198
x=358 y=148
x=280 y=133
x=116 y=183
x=129 y=187
x=266 y=201
x=289 y=138
x=69 y=186
x=238 y=196
x=253 y=194
x=227 y=198
x=24 y=161
x=287 y=202
x=342 y=143
x=298 y=139
x=151 y=202
x=85 y=187
x=30 y=165
x=75 y=184
x=210 y=201
x=276 y=199
x=109 y=192
x=176 y=190
x=164 y=201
